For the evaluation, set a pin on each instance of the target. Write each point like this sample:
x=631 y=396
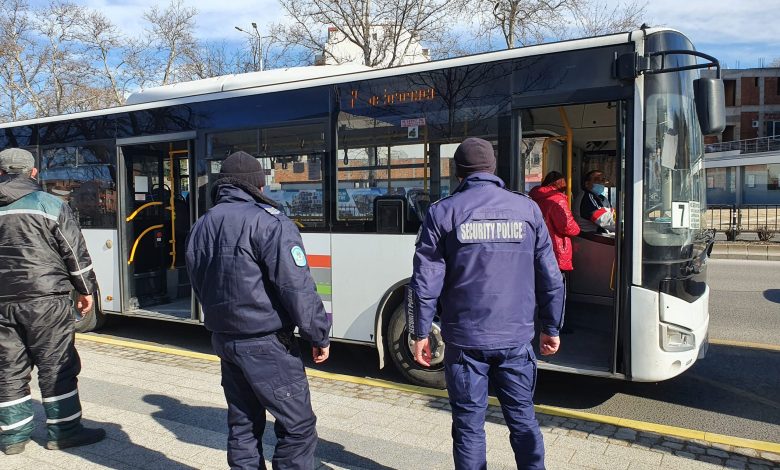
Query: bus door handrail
x=138 y=240
x=137 y=211
x=569 y=151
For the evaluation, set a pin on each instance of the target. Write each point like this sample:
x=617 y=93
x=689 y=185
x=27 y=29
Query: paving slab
x=167 y=412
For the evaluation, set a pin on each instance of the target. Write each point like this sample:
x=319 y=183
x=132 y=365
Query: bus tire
x=402 y=358
x=92 y=321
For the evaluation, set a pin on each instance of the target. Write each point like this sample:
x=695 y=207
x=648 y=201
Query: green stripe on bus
x=324 y=289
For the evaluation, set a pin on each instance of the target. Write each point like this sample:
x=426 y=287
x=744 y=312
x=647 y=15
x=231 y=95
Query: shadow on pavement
x=772 y=295
x=117 y=451
x=215 y=419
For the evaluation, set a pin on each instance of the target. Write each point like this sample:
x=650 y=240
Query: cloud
x=215 y=20
x=733 y=31
x=737 y=31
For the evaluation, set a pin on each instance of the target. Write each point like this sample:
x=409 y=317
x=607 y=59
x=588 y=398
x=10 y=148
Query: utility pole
x=256 y=47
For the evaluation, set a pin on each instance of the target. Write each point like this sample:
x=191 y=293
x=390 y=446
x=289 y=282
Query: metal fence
x=746 y=218
x=761 y=144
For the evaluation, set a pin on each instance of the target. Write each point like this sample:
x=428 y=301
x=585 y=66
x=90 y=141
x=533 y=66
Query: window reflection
x=85 y=178
x=292 y=157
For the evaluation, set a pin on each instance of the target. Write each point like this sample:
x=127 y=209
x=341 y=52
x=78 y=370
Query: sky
x=740 y=33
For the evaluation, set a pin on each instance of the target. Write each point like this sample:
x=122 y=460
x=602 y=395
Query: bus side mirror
x=710 y=104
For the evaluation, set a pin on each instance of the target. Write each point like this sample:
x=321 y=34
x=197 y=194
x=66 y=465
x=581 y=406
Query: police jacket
x=485 y=254
x=559 y=220
x=42 y=251
x=248 y=268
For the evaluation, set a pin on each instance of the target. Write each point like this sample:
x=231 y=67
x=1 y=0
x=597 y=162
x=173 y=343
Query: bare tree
x=525 y=22
x=594 y=18
x=58 y=25
x=521 y=22
x=22 y=63
x=384 y=31
x=215 y=59
x=171 y=33
x=108 y=47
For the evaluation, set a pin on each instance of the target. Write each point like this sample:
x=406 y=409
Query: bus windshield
x=674 y=165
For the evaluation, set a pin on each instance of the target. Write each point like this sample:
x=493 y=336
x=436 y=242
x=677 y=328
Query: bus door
x=573 y=140
x=157 y=214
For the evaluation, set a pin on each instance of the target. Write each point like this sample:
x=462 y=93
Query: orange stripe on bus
x=318 y=261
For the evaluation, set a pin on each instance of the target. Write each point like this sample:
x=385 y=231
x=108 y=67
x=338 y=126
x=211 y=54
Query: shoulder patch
x=269 y=209
x=272 y=210
x=299 y=257
x=519 y=193
x=439 y=200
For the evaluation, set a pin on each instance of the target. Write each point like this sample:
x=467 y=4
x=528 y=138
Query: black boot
x=15 y=448
x=84 y=437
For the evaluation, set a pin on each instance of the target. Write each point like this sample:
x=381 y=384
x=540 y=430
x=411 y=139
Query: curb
x=672 y=431
x=751 y=252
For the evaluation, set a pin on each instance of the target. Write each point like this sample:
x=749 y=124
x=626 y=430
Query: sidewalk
x=167 y=412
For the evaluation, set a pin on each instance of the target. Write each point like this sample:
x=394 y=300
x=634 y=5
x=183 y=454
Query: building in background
x=340 y=50
x=743 y=164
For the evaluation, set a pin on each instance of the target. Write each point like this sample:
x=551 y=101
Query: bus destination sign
x=391 y=98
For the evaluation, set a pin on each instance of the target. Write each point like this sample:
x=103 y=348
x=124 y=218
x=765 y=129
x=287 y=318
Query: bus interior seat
x=390 y=213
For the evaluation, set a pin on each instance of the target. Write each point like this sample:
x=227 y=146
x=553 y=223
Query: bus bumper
x=668 y=334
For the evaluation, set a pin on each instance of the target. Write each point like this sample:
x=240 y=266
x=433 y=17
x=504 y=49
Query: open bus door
x=157 y=213
x=573 y=140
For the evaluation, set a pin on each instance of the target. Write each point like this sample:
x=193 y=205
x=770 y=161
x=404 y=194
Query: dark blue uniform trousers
x=259 y=374
x=513 y=375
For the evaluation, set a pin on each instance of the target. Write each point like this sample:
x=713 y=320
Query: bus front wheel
x=91 y=321
x=401 y=353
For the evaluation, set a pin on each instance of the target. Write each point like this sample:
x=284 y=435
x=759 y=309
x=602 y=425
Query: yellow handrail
x=569 y=145
x=135 y=212
x=138 y=239
x=172 y=241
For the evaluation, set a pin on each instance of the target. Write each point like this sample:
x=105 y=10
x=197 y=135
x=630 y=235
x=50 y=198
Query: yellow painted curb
x=762 y=446
x=744 y=344
x=147 y=347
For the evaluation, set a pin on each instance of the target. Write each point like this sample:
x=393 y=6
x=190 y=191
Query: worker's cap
x=243 y=166
x=15 y=160
x=474 y=155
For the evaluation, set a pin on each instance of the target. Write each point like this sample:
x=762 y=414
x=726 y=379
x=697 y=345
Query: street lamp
x=256 y=43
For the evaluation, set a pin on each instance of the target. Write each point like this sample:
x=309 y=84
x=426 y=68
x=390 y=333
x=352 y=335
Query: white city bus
x=356 y=155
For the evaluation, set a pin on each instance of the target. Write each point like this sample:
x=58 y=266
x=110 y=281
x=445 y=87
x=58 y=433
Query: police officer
x=43 y=257
x=484 y=253
x=248 y=268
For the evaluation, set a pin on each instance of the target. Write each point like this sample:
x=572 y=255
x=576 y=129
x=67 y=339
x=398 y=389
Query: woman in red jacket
x=551 y=197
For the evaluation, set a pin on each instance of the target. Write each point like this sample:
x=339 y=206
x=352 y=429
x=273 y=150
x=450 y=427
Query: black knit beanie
x=474 y=155
x=243 y=166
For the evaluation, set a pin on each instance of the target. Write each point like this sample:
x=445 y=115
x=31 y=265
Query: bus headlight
x=675 y=339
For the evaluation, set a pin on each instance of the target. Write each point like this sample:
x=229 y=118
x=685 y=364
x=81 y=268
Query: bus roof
x=232 y=86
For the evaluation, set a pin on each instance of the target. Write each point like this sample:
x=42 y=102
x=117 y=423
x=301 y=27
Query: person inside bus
x=551 y=198
x=593 y=211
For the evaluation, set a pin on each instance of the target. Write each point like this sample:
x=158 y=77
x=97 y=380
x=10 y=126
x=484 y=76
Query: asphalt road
x=745 y=300
x=733 y=391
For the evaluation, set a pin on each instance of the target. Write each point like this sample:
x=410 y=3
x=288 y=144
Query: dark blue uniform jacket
x=484 y=252
x=248 y=269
